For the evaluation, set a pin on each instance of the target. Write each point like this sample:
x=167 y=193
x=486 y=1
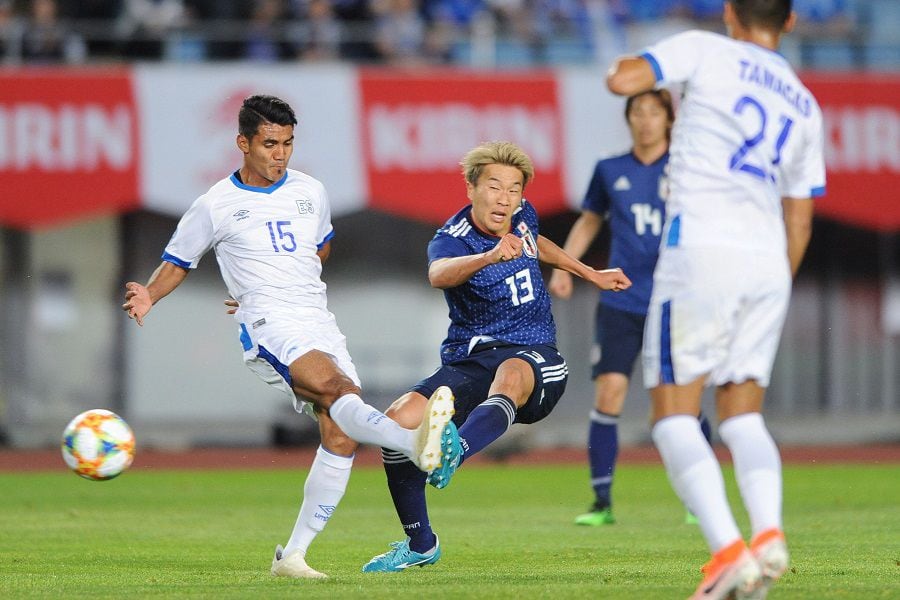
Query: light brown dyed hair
x=496 y=153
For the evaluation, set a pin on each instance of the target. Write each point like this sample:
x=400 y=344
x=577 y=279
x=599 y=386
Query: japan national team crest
x=529 y=246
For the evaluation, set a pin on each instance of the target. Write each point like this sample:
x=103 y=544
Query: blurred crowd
x=371 y=31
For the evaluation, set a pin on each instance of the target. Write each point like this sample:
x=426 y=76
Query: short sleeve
x=596 y=199
x=676 y=59
x=326 y=229
x=806 y=176
x=443 y=245
x=192 y=238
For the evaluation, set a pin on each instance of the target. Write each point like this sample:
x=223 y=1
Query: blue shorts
x=471 y=377
x=619 y=336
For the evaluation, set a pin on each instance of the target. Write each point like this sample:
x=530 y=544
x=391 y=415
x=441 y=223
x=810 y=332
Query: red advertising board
x=862 y=148
x=68 y=145
x=417 y=127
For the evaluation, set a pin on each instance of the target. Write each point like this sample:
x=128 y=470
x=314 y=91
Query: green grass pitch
x=506 y=532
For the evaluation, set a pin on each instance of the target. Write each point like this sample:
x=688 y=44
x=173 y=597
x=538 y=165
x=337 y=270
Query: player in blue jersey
x=499 y=357
x=628 y=191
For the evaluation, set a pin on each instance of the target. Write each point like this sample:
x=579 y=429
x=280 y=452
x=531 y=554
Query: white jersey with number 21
x=747 y=134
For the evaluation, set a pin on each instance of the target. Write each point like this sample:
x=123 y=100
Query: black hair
x=664 y=97
x=768 y=14
x=260 y=109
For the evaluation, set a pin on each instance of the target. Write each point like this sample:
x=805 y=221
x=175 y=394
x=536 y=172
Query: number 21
x=739 y=161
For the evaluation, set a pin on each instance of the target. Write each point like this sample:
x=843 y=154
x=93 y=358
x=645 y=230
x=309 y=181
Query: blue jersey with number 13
x=506 y=301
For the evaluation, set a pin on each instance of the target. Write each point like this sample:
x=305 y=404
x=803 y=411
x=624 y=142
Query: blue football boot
x=402 y=557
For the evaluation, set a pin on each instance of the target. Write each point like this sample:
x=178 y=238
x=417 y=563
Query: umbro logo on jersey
x=305 y=207
x=241 y=215
x=622 y=184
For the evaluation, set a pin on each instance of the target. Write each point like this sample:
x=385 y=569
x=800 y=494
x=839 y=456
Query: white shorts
x=273 y=341
x=715 y=311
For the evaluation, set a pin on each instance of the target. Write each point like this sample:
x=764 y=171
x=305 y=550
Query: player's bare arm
x=450 y=272
x=630 y=75
x=798 y=216
x=583 y=232
x=606 y=279
x=324 y=252
x=139 y=299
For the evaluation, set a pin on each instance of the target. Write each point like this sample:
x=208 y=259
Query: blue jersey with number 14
x=506 y=301
x=628 y=194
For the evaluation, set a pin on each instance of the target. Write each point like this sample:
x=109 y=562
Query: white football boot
x=293 y=565
x=431 y=435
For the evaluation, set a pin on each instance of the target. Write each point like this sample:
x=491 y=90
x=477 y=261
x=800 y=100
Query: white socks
x=322 y=491
x=368 y=425
x=757 y=467
x=696 y=477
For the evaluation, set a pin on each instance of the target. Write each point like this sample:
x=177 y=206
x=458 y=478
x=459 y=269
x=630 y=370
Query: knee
x=331 y=389
x=406 y=411
x=514 y=379
x=337 y=442
x=610 y=392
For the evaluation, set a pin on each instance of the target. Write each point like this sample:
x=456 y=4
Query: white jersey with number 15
x=747 y=134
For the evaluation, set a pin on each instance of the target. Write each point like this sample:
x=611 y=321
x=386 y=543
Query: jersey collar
x=262 y=190
x=516 y=214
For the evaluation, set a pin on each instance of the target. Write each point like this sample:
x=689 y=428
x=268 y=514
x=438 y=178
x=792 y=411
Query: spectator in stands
x=458 y=13
x=10 y=34
x=706 y=14
x=568 y=20
x=400 y=32
x=265 y=35
x=93 y=19
x=831 y=17
x=357 y=23
x=144 y=25
x=316 y=34
x=646 y=21
x=223 y=22
x=451 y=20
x=46 y=39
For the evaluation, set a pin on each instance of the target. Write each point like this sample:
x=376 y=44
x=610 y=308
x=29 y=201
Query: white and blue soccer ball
x=98 y=444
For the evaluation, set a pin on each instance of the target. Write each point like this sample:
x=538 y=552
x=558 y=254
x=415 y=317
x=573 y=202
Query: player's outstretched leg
x=293 y=565
x=437 y=441
x=485 y=424
x=401 y=557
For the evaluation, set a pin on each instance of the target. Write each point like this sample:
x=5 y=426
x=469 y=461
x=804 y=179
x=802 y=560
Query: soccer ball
x=98 y=444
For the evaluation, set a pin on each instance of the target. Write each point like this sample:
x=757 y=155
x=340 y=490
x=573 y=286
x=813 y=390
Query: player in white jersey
x=270 y=227
x=746 y=161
